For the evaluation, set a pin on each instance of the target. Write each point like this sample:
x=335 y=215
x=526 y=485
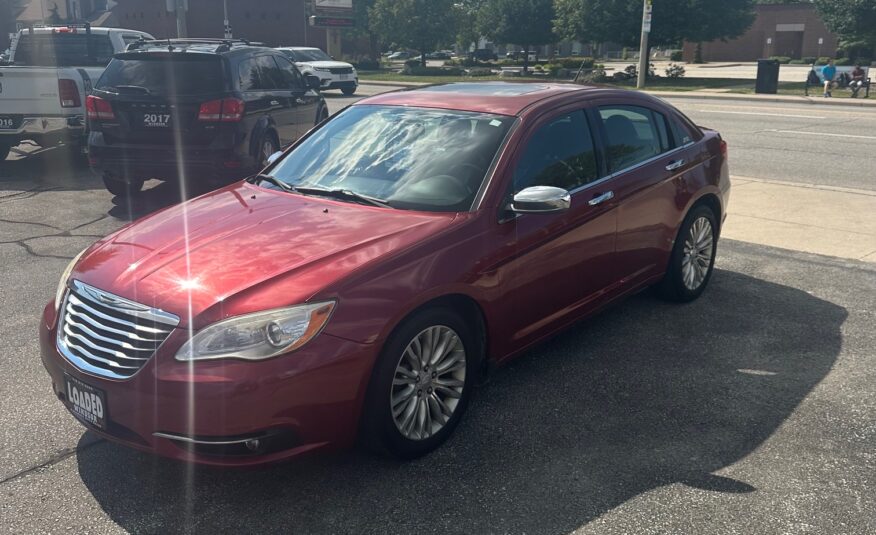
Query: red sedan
x=362 y=282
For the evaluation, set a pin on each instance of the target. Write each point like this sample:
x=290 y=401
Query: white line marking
x=764 y=114
x=820 y=134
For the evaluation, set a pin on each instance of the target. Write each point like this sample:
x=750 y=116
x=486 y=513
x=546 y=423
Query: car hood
x=324 y=64
x=244 y=248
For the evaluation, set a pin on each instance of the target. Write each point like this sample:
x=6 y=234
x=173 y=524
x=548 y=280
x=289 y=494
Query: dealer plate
x=86 y=402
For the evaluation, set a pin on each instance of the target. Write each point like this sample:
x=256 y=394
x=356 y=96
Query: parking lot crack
x=55 y=458
x=46 y=225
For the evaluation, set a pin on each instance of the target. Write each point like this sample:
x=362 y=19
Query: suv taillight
x=227 y=110
x=99 y=109
x=68 y=93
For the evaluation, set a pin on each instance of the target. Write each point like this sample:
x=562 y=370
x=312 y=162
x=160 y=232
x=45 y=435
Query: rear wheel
x=120 y=187
x=693 y=256
x=5 y=148
x=421 y=384
x=268 y=146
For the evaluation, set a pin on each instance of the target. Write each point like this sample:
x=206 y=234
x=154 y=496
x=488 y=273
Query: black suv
x=196 y=109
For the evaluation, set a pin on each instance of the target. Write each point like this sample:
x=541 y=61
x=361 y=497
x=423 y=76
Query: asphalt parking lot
x=752 y=410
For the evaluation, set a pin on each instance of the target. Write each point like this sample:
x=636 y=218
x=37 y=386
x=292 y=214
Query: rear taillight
x=723 y=148
x=99 y=109
x=225 y=110
x=68 y=93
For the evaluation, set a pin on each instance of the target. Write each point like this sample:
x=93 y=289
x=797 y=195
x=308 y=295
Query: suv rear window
x=63 y=50
x=166 y=74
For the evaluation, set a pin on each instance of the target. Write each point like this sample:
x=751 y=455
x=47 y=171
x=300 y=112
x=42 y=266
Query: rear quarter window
x=166 y=74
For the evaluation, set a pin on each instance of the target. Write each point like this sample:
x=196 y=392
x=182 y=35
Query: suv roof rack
x=222 y=45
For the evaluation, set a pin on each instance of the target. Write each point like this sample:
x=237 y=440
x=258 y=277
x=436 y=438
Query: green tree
x=521 y=22
x=467 y=27
x=419 y=24
x=672 y=21
x=362 y=27
x=853 y=20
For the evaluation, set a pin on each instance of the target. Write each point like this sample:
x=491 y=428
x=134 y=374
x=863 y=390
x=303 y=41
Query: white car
x=332 y=74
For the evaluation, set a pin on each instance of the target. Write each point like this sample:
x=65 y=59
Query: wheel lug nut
x=419 y=393
x=434 y=375
x=430 y=389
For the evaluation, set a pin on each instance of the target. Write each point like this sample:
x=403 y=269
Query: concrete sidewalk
x=825 y=220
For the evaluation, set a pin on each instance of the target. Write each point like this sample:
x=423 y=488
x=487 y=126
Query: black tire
x=321 y=115
x=263 y=152
x=4 y=151
x=349 y=90
x=120 y=187
x=379 y=430
x=673 y=286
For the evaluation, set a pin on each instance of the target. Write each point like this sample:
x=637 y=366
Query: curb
x=393 y=84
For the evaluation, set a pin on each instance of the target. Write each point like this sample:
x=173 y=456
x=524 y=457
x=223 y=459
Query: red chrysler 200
x=359 y=285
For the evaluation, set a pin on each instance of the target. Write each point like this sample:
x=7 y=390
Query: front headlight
x=258 y=336
x=62 y=284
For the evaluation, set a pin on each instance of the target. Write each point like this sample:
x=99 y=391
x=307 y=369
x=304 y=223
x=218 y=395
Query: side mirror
x=313 y=82
x=540 y=200
x=273 y=157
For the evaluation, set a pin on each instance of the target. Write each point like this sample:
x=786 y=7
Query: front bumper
x=335 y=81
x=206 y=412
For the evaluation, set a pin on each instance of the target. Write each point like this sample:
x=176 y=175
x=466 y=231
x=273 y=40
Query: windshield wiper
x=271 y=179
x=344 y=194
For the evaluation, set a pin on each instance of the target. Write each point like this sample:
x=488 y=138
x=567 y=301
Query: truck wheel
x=4 y=151
x=120 y=187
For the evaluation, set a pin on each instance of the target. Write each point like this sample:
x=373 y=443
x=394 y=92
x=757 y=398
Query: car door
x=305 y=100
x=558 y=265
x=280 y=100
x=647 y=170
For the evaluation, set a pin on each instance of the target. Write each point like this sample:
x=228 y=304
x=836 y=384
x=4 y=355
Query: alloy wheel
x=428 y=382
x=697 y=257
x=267 y=150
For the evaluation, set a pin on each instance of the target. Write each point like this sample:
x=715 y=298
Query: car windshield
x=165 y=74
x=412 y=158
x=310 y=54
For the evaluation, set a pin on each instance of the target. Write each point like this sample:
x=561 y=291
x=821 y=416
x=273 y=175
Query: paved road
x=750 y=411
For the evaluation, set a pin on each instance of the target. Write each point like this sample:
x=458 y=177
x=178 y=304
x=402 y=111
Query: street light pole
x=227 y=23
x=181 y=31
x=643 y=44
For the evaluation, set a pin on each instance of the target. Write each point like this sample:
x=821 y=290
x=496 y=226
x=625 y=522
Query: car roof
x=298 y=48
x=503 y=98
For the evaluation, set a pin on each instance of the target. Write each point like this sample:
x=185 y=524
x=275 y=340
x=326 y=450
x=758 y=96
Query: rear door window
x=63 y=50
x=271 y=77
x=165 y=74
x=291 y=77
x=633 y=135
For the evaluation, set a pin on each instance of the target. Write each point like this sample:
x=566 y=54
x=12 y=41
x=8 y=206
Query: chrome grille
x=107 y=335
x=341 y=70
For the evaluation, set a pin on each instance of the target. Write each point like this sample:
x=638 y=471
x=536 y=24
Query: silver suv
x=332 y=74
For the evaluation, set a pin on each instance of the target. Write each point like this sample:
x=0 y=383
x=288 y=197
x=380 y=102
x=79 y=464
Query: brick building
x=274 y=22
x=791 y=30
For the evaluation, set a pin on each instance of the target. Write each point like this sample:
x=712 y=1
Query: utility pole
x=181 y=6
x=228 y=34
x=643 y=44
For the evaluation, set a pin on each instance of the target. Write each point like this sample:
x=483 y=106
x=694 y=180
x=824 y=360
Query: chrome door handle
x=673 y=165
x=275 y=103
x=599 y=199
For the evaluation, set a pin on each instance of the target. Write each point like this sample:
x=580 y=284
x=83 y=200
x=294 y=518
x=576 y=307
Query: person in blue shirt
x=829 y=75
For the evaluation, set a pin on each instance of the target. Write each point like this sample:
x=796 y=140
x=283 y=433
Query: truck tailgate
x=33 y=91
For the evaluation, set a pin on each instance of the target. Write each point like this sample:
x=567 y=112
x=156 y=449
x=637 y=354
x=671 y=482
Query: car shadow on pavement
x=644 y=395
x=159 y=196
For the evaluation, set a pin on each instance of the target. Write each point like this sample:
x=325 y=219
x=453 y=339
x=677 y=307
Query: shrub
x=796 y=62
x=480 y=71
x=367 y=65
x=822 y=60
x=843 y=61
x=418 y=70
x=674 y=70
x=625 y=53
x=574 y=63
x=677 y=55
x=784 y=60
x=470 y=62
x=808 y=60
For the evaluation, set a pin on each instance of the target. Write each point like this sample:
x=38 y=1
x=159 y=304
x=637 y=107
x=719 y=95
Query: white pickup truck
x=51 y=70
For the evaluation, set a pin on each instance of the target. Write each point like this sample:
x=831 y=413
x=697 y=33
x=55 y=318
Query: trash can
x=767 y=76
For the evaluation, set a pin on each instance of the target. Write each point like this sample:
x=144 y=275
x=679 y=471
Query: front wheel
x=349 y=90
x=120 y=187
x=421 y=384
x=693 y=256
